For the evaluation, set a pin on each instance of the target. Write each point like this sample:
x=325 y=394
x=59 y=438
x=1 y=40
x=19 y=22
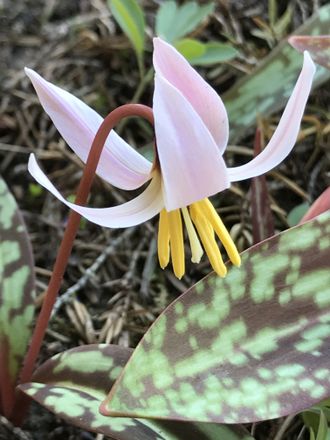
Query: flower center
x=202 y=223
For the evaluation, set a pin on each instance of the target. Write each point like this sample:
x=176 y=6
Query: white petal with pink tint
x=192 y=167
x=173 y=67
x=77 y=123
x=136 y=211
x=286 y=132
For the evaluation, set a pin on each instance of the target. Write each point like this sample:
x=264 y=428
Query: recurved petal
x=136 y=211
x=286 y=132
x=173 y=67
x=191 y=165
x=77 y=123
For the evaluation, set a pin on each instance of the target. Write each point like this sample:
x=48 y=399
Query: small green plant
x=173 y=24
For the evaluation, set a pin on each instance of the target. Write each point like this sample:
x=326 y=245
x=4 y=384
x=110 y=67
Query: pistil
x=163 y=239
x=195 y=245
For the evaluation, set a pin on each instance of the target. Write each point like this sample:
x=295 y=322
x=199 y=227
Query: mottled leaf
x=73 y=384
x=174 y=22
x=16 y=296
x=262 y=217
x=318 y=47
x=203 y=54
x=129 y=15
x=269 y=86
x=254 y=345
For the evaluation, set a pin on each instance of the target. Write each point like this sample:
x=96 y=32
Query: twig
x=301 y=433
x=134 y=259
x=148 y=268
x=253 y=429
x=16 y=431
x=284 y=427
x=66 y=297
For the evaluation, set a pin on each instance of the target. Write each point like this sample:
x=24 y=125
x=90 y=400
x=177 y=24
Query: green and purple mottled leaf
x=16 y=295
x=73 y=384
x=252 y=95
x=318 y=47
x=252 y=346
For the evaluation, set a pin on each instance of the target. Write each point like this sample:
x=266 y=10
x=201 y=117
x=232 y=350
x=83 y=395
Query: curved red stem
x=71 y=230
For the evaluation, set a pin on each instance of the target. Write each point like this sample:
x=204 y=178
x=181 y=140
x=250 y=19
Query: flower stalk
x=71 y=230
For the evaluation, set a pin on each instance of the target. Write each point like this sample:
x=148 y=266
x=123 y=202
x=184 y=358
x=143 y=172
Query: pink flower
x=191 y=129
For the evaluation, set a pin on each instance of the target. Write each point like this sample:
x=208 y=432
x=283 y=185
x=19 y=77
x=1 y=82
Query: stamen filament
x=163 y=239
x=176 y=242
x=221 y=231
x=208 y=240
x=195 y=245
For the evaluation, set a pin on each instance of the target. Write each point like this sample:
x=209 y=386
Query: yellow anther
x=163 y=239
x=203 y=224
x=176 y=242
x=208 y=240
x=195 y=245
x=221 y=231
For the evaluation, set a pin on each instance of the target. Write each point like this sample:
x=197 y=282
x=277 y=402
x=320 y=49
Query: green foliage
x=230 y=350
x=322 y=432
x=203 y=54
x=252 y=95
x=277 y=27
x=174 y=22
x=317 y=420
x=297 y=213
x=130 y=18
x=16 y=295
x=73 y=384
x=35 y=189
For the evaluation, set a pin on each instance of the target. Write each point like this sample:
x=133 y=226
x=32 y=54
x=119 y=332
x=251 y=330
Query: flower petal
x=171 y=65
x=191 y=165
x=77 y=123
x=136 y=211
x=286 y=132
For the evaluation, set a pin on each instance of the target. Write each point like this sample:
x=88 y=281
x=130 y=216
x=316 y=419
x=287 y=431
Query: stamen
x=176 y=242
x=221 y=231
x=208 y=240
x=195 y=245
x=163 y=239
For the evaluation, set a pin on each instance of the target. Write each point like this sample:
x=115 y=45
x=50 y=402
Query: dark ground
x=77 y=45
